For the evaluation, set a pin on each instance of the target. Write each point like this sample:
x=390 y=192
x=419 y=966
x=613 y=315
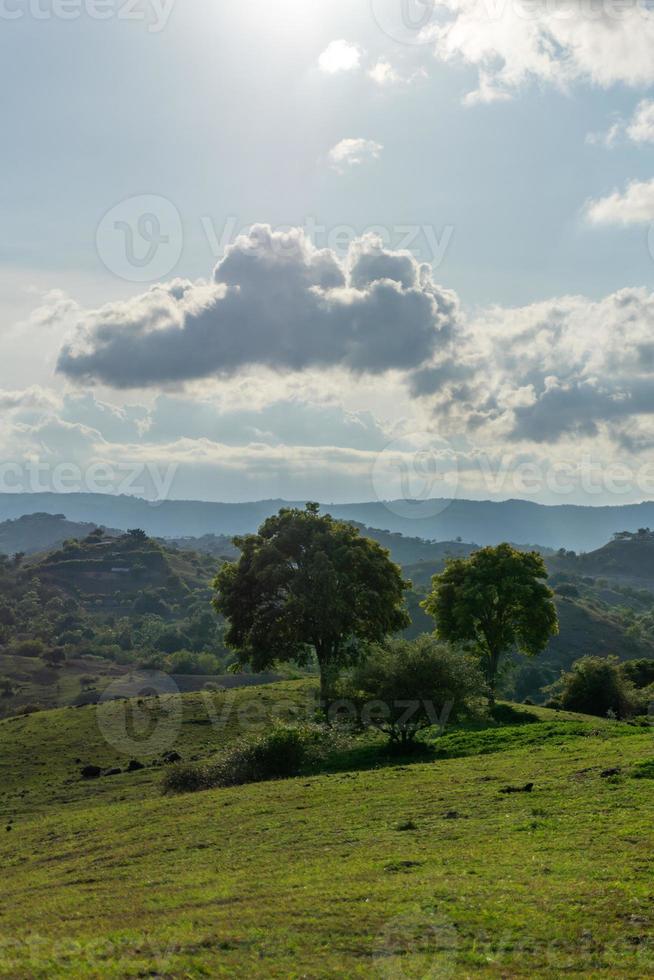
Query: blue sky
x=498 y=147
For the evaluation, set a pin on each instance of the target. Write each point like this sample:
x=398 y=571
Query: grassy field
x=390 y=870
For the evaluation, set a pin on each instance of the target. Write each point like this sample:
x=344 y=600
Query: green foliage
x=305 y=583
x=639 y=672
x=280 y=753
x=137 y=534
x=496 y=600
x=597 y=686
x=406 y=686
x=188 y=662
x=28 y=648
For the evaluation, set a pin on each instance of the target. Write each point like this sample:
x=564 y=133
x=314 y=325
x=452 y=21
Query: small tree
x=496 y=600
x=406 y=686
x=596 y=686
x=137 y=534
x=306 y=582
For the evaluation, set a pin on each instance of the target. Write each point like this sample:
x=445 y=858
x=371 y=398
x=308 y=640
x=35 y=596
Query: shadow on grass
x=485 y=736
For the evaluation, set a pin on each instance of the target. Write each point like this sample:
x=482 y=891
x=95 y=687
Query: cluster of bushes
x=605 y=687
x=402 y=688
x=283 y=752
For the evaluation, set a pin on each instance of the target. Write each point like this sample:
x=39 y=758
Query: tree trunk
x=493 y=663
x=326 y=666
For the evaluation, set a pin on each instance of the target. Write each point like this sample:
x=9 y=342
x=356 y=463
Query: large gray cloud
x=276 y=301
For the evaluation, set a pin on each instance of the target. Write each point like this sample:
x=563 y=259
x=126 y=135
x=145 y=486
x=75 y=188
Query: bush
x=283 y=752
x=28 y=648
x=506 y=714
x=406 y=686
x=6 y=688
x=597 y=686
x=29 y=709
x=639 y=672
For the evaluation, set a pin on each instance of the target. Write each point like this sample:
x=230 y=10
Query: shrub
x=567 y=591
x=6 y=687
x=29 y=648
x=29 y=709
x=406 y=686
x=639 y=672
x=283 y=752
x=596 y=686
x=506 y=714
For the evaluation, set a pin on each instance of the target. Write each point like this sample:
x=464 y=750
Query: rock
x=171 y=757
x=134 y=765
x=91 y=772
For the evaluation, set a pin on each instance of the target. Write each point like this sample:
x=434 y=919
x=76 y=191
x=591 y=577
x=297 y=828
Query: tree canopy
x=406 y=686
x=496 y=599
x=307 y=582
x=598 y=686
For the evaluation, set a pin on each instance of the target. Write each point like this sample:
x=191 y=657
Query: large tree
x=308 y=583
x=496 y=599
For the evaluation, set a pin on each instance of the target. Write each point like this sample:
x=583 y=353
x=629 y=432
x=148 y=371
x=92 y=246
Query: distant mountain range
x=485 y=522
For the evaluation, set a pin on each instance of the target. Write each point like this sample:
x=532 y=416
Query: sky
x=328 y=250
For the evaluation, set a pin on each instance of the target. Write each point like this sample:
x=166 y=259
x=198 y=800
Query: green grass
x=421 y=870
x=41 y=755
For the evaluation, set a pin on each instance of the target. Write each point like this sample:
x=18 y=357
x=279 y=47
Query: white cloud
x=545 y=383
x=638 y=129
x=566 y=368
x=384 y=74
x=513 y=43
x=641 y=127
x=634 y=205
x=353 y=152
x=340 y=56
x=608 y=138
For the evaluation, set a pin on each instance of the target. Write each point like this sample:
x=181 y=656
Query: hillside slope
x=34 y=533
x=627 y=558
x=405 y=870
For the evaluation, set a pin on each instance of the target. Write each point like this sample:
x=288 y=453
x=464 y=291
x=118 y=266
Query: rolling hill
x=627 y=558
x=411 y=869
x=34 y=533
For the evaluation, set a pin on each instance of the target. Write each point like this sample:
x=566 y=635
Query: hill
x=73 y=619
x=628 y=558
x=396 y=870
x=116 y=570
x=33 y=533
x=487 y=522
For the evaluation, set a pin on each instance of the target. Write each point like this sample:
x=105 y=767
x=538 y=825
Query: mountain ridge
x=573 y=526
